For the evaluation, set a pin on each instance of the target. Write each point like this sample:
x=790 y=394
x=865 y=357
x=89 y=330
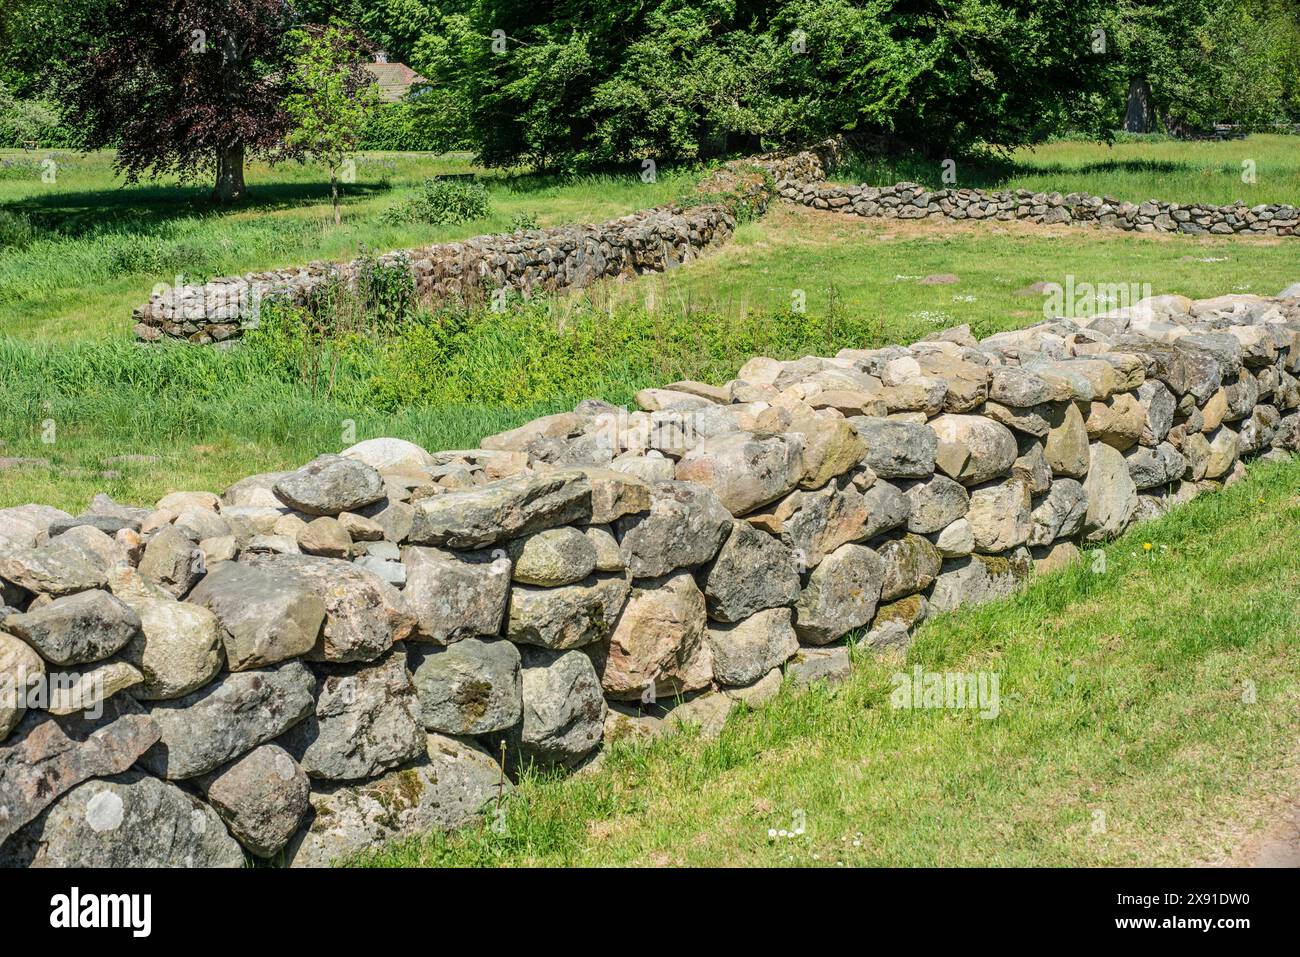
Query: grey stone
x=910 y=563
x=685 y=526
x=85 y=627
x=830 y=666
x=979 y=578
x=1059 y=514
x=657 y=647
x=745 y=651
x=365 y=721
x=62 y=566
x=841 y=594
x=972 y=449
x=329 y=485
x=745 y=470
x=452 y=598
x=500 y=510
x=21 y=671
x=264 y=616
x=556 y=556
x=935 y=503
x=896 y=449
x=262 y=798
x=129 y=820
x=999 y=515
x=228 y=718
x=1152 y=467
x=172 y=560
x=46 y=756
x=568 y=616
x=563 y=708
x=364 y=615
x=752 y=571
x=470 y=687
x=444 y=791
x=1112 y=496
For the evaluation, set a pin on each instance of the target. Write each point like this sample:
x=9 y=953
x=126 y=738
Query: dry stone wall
x=316 y=661
x=910 y=201
x=527 y=261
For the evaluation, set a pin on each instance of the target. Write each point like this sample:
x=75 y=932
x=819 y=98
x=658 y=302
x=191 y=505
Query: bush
x=31 y=121
x=442 y=202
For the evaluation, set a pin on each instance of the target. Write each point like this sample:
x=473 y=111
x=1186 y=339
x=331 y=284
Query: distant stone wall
x=528 y=261
x=314 y=662
x=910 y=201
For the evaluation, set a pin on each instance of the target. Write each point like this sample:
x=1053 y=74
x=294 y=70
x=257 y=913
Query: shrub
x=524 y=220
x=442 y=202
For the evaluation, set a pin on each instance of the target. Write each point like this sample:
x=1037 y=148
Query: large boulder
x=841 y=594
x=563 y=709
x=745 y=651
x=752 y=571
x=262 y=797
x=555 y=556
x=46 y=756
x=745 y=470
x=510 y=508
x=445 y=790
x=973 y=449
x=264 y=615
x=1112 y=496
x=569 y=616
x=935 y=503
x=129 y=820
x=203 y=730
x=896 y=449
x=365 y=721
x=999 y=515
x=88 y=626
x=364 y=615
x=329 y=485
x=470 y=687
x=658 y=641
x=1118 y=421
x=685 y=526
x=452 y=598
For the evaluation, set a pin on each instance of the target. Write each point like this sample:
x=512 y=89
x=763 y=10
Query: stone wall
x=910 y=201
x=526 y=261
x=316 y=661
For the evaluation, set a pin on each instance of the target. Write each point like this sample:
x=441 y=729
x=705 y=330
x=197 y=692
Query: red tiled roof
x=394 y=79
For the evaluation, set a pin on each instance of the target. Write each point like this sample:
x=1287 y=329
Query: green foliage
x=330 y=102
x=24 y=121
x=442 y=202
x=405 y=127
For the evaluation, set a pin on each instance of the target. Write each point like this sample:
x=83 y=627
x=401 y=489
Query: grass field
x=80 y=252
x=192 y=418
x=1148 y=716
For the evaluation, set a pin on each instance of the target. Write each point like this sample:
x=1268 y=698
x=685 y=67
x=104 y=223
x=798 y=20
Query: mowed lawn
x=78 y=253
x=1149 y=712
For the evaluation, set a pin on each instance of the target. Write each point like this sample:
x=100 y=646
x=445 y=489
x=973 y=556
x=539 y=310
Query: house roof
x=394 y=80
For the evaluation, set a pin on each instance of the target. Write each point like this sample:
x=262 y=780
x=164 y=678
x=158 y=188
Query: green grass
x=1123 y=692
x=89 y=249
x=1170 y=170
x=209 y=417
x=873 y=268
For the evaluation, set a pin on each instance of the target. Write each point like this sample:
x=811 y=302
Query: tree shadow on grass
x=142 y=209
x=988 y=171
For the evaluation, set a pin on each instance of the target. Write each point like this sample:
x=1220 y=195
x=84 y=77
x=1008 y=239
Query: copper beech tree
x=184 y=86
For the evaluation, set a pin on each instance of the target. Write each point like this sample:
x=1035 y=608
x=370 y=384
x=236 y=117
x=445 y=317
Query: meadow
x=1123 y=692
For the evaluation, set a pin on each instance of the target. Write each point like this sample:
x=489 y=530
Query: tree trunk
x=1140 y=116
x=230 y=174
x=334 y=197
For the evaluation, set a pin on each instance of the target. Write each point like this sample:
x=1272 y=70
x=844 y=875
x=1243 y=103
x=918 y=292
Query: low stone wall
x=910 y=201
x=527 y=261
x=317 y=661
